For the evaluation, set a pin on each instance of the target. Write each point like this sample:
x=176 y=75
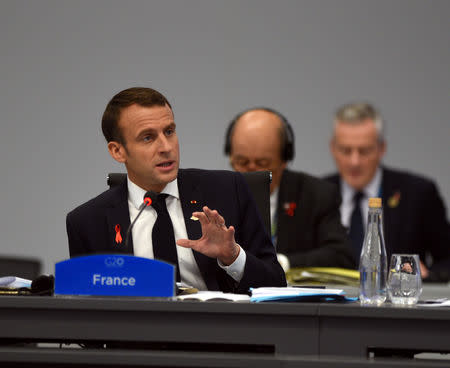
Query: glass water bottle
x=373 y=262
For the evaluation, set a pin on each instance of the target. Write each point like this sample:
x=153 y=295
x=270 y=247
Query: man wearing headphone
x=306 y=227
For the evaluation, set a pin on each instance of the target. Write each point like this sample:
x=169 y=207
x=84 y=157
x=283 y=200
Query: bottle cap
x=375 y=202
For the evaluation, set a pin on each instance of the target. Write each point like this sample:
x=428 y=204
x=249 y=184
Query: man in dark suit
x=414 y=213
x=306 y=227
x=231 y=252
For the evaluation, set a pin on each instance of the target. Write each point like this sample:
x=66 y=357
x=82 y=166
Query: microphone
x=149 y=198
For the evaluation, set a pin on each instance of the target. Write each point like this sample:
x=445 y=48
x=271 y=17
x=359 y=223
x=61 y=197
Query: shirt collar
x=136 y=193
x=273 y=203
x=371 y=190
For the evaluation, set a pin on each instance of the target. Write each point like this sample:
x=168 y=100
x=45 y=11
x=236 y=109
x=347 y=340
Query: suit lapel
x=287 y=208
x=391 y=210
x=118 y=221
x=191 y=201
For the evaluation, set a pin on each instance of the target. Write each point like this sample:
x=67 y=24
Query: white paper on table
x=287 y=291
x=214 y=296
x=14 y=282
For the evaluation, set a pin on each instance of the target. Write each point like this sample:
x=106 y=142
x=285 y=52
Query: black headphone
x=287 y=151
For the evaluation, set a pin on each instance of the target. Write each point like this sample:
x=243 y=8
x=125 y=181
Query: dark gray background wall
x=61 y=61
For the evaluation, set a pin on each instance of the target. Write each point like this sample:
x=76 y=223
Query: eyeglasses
x=362 y=151
x=245 y=163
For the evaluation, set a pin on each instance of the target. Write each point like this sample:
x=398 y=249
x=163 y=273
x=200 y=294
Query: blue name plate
x=113 y=274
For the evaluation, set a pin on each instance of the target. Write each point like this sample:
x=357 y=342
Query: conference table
x=76 y=331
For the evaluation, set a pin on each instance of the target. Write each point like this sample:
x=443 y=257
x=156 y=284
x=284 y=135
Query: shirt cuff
x=236 y=269
x=283 y=261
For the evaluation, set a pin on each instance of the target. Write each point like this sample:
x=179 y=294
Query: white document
x=263 y=294
x=285 y=291
x=14 y=282
x=214 y=296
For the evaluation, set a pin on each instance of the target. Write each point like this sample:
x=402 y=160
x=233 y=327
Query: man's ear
x=117 y=151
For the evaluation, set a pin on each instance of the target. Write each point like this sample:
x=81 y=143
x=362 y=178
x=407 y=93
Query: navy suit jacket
x=311 y=234
x=91 y=226
x=414 y=217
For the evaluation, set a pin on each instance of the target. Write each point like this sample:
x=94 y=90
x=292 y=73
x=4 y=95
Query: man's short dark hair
x=136 y=95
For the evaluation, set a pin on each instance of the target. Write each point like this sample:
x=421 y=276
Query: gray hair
x=357 y=113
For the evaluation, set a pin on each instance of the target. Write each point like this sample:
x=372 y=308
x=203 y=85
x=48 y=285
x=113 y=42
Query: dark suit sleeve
x=331 y=248
x=75 y=242
x=261 y=267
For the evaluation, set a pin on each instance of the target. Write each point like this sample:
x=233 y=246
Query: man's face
x=357 y=152
x=150 y=151
x=255 y=145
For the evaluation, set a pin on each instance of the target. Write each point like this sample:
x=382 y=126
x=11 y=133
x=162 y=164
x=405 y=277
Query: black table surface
x=285 y=332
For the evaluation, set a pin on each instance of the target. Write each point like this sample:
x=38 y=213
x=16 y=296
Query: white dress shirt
x=347 y=192
x=283 y=260
x=142 y=235
x=273 y=205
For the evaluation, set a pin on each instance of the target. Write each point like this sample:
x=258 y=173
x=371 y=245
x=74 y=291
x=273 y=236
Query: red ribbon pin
x=118 y=236
x=289 y=208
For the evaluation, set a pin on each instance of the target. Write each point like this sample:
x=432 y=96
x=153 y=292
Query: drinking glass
x=404 y=279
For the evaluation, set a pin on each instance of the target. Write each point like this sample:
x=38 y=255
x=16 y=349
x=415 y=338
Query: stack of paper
x=214 y=296
x=322 y=276
x=292 y=294
x=13 y=282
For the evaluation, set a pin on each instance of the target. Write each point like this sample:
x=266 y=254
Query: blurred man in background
x=414 y=213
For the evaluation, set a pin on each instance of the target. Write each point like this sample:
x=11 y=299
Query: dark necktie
x=356 y=233
x=164 y=246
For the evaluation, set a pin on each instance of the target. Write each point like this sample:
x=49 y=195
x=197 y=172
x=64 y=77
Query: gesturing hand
x=217 y=240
